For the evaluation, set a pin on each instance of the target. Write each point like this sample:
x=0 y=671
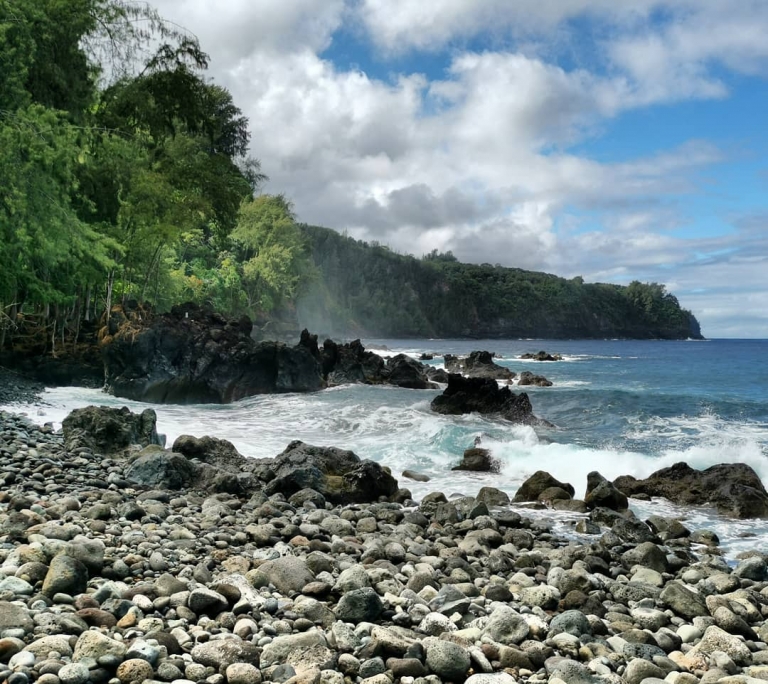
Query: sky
x=611 y=140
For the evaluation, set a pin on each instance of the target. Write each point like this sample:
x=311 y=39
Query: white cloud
x=235 y=29
x=401 y=25
x=481 y=160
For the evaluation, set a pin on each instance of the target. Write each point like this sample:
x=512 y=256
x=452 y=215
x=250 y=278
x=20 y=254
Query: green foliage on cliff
x=370 y=290
x=128 y=186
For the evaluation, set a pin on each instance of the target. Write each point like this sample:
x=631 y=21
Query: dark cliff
x=365 y=289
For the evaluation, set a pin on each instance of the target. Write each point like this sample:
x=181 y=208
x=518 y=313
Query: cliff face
x=368 y=290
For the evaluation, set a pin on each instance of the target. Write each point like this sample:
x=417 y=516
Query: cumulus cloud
x=482 y=158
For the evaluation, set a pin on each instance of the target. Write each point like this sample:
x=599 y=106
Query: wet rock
x=339 y=475
x=478 y=459
x=479 y=364
x=602 y=493
x=537 y=483
x=111 y=430
x=483 y=395
x=733 y=488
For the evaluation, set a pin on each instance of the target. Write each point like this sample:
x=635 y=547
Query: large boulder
x=206 y=464
x=527 y=378
x=734 y=489
x=211 y=450
x=479 y=364
x=111 y=430
x=602 y=493
x=339 y=475
x=537 y=483
x=403 y=371
x=161 y=469
x=483 y=395
x=351 y=363
x=194 y=355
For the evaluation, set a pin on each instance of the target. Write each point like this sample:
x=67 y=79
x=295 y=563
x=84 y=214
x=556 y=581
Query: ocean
x=618 y=407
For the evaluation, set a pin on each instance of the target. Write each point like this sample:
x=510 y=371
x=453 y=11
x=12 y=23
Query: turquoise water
x=619 y=407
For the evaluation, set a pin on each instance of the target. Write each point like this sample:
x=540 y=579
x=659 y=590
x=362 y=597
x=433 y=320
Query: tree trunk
x=149 y=271
x=87 y=307
x=110 y=285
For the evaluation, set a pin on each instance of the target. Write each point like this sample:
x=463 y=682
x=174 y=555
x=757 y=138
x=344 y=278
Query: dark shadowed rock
x=479 y=460
x=527 y=378
x=339 y=475
x=537 y=483
x=734 y=489
x=403 y=371
x=542 y=356
x=111 y=430
x=211 y=450
x=162 y=469
x=602 y=493
x=479 y=364
x=492 y=496
x=359 y=605
x=351 y=363
x=194 y=355
x=483 y=395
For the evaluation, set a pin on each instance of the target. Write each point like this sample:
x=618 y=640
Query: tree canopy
x=124 y=172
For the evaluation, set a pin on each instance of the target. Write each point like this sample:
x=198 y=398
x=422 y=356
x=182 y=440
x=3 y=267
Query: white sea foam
x=396 y=427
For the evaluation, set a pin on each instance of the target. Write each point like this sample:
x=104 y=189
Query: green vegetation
x=124 y=174
x=134 y=187
x=370 y=290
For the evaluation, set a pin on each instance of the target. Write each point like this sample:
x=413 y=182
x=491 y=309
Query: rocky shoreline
x=105 y=581
x=16 y=388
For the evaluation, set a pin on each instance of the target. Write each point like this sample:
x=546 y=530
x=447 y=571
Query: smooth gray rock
x=448 y=660
x=289 y=574
x=571 y=622
x=683 y=601
x=225 y=652
x=13 y=616
x=65 y=575
x=359 y=605
x=506 y=626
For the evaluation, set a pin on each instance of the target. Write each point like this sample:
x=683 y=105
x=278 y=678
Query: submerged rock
x=541 y=356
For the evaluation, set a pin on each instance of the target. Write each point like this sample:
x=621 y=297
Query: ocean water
x=619 y=407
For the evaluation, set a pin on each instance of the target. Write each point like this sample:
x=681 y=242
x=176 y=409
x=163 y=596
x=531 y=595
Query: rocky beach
x=124 y=562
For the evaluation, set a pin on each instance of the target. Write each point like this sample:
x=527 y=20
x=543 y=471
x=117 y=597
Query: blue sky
x=615 y=141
